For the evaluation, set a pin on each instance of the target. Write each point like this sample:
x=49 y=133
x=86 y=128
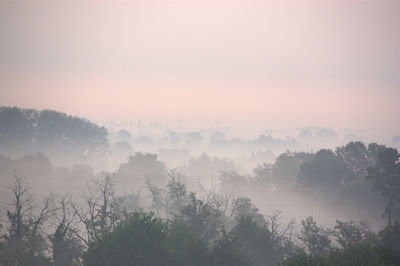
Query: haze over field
x=183 y=132
x=256 y=64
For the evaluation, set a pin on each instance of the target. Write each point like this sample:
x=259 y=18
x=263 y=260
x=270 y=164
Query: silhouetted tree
x=29 y=129
x=226 y=252
x=351 y=233
x=144 y=239
x=385 y=176
x=315 y=239
x=102 y=213
x=142 y=167
x=66 y=246
x=25 y=243
x=254 y=241
x=325 y=170
x=204 y=220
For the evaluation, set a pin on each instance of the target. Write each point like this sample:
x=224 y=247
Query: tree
x=160 y=201
x=287 y=166
x=281 y=233
x=176 y=192
x=139 y=240
x=66 y=246
x=351 y=234
x=254 y=241
x=142 y=167
x=325 y=170
x=204 y=220
x=315 y=239
x=385 y=177
x=102 y=213
x=383 y=249
x=25 y=243
x=356 y=156
x=226 y=252
x=29 y=129
x=144 y=239
x=244 y=207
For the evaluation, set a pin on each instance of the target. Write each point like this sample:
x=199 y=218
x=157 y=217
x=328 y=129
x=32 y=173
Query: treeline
x=25 y=130
x=217 y=227
x=366 y=176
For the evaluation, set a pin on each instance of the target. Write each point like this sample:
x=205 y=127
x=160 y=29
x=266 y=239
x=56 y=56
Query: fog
x=199 y=132
x=64 y=154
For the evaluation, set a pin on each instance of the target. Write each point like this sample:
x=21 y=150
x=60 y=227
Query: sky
x=262 y=64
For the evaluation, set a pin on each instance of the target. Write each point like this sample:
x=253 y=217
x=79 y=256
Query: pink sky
x=260 y=64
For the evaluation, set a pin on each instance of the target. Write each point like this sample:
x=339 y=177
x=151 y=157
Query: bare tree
x=160 y=201
x=280 y=231
x=102 y=212
x=66 y=245
x=24 y=240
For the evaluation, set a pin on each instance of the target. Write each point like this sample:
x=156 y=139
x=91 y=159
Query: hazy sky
x=263 y=64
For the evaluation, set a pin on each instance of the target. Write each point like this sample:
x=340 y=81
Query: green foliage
x=144 y=239
x=382 y=250
x=385 y=176
x=143 y=166
x=202 y=218
x=325 y=170
x=139 y=240
x=24 y=243
x=287 y=166
x=184 y=249
x=226 y=252
x=177 y=193
x=360 y=255
x=29 y=128
x=315 y=239
x=350 y=233
x=244 y=207
x=254 y=241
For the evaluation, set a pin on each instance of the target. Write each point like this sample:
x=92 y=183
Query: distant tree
x=205 y=167
x=325 y=170
x=287 y=167
x=351 y=233
x=124 y=136
x=160 y=200
x=177 y=193
x=356 y=156
x=262 y=174
x=243 y=206
x=385 y=177
x=233 y=181
x=29 y=129
x=142 y=167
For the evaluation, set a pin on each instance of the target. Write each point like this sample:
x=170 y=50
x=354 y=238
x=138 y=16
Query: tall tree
x=385 y=176
x=314 y=238
x=25 y=242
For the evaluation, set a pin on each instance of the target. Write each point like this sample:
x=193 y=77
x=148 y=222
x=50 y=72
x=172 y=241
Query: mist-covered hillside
x=71 y=190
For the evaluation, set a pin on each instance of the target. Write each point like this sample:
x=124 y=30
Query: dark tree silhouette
x=385 y=176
